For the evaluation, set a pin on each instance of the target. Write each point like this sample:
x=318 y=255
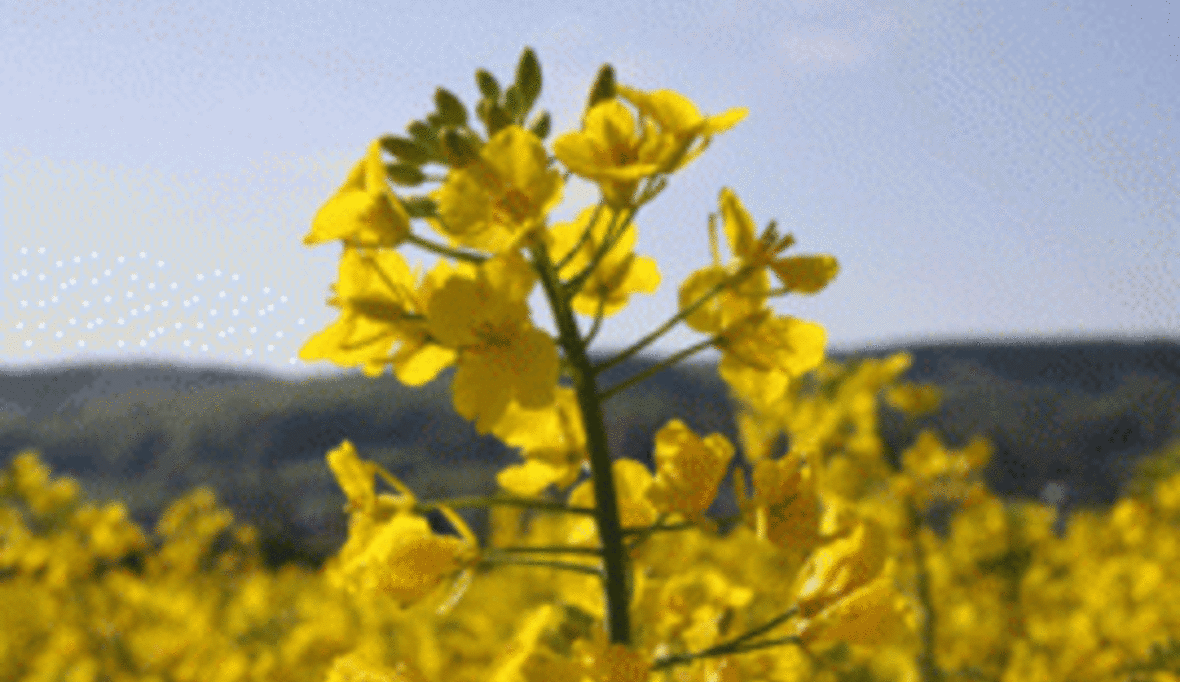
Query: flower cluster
x=829 y=547
x=492 y=210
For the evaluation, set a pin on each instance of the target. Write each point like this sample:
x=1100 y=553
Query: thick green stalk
x=928 y=670
x=617 y=578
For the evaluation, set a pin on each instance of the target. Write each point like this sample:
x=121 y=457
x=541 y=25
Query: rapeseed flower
x=364 y=211
x=497 y=201
x=481 y=314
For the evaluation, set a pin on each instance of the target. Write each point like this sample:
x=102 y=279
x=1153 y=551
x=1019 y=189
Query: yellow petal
x=805 y=274
x=354 y=475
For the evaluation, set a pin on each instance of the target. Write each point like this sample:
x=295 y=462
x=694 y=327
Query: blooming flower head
x=611 y=152
x=380 y=309
x=606 y=151
x=616 y=276
x=481 y=313
x=494 y=203
x=681 y=124
x=688 y=469
x=363 y=211
x=805 y=274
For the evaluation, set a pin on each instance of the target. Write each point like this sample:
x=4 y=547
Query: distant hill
x=1078 y=413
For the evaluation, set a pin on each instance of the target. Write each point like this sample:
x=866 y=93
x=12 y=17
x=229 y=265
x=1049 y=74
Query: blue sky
x=979 y=169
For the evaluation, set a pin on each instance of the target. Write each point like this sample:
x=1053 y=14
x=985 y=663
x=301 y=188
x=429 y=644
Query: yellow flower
x=759 y=358
x=740 y=233
x=553 y=441
x=111 y=533
x=502 y=357
x=805 y=274
x=784 y=509
x=841 y=566
x=872 y=615
x=497 y=201
x=799 y=274
x=731 y=306
x=688 y=469
x=355 y=477
x=403 y=558
x=616 y=276
x=356 y=667
x=380 y=310
x=914 y=399
x=606 y=151
x=681 y=124
x=606 y=662
x=364 y=210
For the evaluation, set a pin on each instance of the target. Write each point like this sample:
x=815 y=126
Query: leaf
x=406 y=151
x=420 y=207
x=493 y=116
x=528 y=79
x=459 y=149
x=513 y=103
x=404 y=174
x=426 y=136
x=604 y=86
x=540 y=126
x=451 y=111
x=487 y=85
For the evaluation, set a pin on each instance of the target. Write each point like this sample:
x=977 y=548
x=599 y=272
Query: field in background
x=1067 y=419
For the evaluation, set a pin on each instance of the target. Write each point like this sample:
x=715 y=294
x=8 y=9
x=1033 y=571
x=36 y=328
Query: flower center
x=513 y=207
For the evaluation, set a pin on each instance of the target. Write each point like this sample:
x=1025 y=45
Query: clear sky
x=979 y=169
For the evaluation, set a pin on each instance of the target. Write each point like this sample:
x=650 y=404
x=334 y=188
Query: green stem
x=928 y=670
x=610 y=530
x=639 y=345
x=504 y=501
x=556 y=549
x=445 y=250
x=671 y=360
x=582 y=240
x=562 y=565
x=735 y=645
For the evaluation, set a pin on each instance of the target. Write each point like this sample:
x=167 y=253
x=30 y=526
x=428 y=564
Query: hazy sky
x=979 y=169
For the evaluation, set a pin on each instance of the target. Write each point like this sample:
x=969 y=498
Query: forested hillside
x=1078 y=413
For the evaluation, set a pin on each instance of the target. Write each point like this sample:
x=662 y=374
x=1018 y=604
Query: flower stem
x=444 y=250
x=563 y=565
x=639 y=345
x=501 y=500
x=691 y=350
x=610 y=531
x=736 y=645
x=928 y=670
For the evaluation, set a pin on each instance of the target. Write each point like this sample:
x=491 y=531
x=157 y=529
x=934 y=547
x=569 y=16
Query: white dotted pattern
x=100 y=303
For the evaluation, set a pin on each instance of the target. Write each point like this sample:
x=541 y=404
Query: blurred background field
x=1069 y=421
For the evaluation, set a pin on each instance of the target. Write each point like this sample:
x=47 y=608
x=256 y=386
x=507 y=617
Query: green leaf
x=513 y=103
x=451 y=111
x=424 y=134
x=487 y=85
x=528 y=79
x=404 y=174
x=540 y=126
x=419 y=207
x=406 y=151
x=376 y=308
x=459 y=149
x=604 y=86
x=493 y=116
